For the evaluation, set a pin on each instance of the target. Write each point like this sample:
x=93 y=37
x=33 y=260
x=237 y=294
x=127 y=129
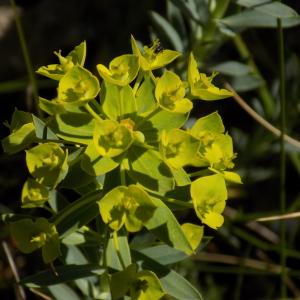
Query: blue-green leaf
x=275 y=8
x=112 y=259
x=164 y=254
x=232 y=68
x=253 y=18
x=167 y=30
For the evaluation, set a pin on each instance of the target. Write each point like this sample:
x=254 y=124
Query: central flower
x=130 y=206
x=111 y=138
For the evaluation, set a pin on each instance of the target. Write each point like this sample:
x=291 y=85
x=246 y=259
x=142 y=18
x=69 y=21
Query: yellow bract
x=153 y=57
x=179 y=148
x=111 y=138
x=130 y=206
x=122 y=70
x=201 y=85
x=170 y=92
x=209 y=197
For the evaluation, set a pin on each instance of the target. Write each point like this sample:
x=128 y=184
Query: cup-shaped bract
x=209 y=195
x=77 y=87
x=47 y=163
x=34 y=194
x=201 y=85
x=31 y=235
x=130 y=206
x=57 y=71
x=170 y=92
x=207 y=127
x=179 y=148
x=219 y=153
x=146 y=286
x=22 y=132
x=153 y=57
x=111 y=138
x=122 y=70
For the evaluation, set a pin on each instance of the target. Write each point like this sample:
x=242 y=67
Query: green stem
x=199 y=173
x=152 y=76
x=26 y=57
x=122 y=174
x=121 y=104
x=117 y=248
x=263 y=91
x=138 y=82
x=179 y=202
x=92 y=112
x=59 y=142
x=282 y=157
x=92 y=232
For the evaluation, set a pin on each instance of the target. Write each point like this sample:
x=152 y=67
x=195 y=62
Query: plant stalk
x=282 y=157
x=26 y=57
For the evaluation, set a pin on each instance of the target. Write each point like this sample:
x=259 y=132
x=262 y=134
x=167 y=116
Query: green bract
x=111 y=138
x=219 y=153
x=78 y=86
x=209 y=195
x=22 y=132
x=56 y=71
x=31 y=235
x=179 y=148
x=201 y=85
x=153 y=57
x=130 y=206
x=170 y=92
x=34 y=194
x=147 y=286
x=122 y=70
x=125 y=153
x=194 y=234
x=143 y=285
x=47 y=163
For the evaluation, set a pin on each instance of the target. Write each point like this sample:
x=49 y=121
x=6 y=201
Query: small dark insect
x=159 y=48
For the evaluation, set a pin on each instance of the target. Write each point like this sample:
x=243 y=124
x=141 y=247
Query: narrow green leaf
x=64 y=274
x=164 y=254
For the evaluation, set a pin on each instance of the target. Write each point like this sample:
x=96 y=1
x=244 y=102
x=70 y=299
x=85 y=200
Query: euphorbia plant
x=123 y=147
